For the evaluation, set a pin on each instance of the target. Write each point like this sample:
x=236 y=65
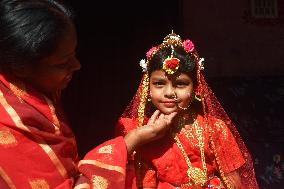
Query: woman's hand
x=156 y=128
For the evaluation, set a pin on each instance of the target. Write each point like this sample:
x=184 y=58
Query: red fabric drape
x=38 y=150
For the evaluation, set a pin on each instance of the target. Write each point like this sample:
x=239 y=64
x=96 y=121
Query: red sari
x=38 y=149
x=163 y=165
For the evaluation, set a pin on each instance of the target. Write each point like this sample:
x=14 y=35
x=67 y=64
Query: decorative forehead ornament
x=171 y=63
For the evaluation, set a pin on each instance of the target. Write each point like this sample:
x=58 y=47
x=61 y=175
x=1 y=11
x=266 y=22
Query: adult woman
x=202 y=149
x=38 y=150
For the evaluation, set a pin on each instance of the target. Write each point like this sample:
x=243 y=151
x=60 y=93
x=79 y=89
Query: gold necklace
x=197 y=175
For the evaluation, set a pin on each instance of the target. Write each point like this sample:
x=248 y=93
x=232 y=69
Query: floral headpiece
x=171 y=63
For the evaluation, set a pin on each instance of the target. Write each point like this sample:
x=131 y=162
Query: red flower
x=172 y=63
x=188 y=46
x=151 y=51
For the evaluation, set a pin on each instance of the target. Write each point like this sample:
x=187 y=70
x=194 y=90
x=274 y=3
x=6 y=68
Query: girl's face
x=170 y=93
x=54 y=72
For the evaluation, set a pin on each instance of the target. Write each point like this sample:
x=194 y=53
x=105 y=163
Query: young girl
x=202 y=148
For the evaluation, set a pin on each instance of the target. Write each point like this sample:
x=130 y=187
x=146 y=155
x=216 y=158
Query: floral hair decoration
x=171 y=63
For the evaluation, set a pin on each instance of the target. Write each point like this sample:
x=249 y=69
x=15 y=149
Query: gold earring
x=149 y=97
x=197 y=98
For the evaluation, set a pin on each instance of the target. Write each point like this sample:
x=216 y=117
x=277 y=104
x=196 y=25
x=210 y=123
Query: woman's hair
x=30 y=30
x=187 y=62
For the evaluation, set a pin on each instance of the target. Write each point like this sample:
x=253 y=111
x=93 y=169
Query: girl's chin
x=168 y=112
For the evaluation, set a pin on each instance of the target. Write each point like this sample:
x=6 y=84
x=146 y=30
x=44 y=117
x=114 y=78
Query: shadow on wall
x=255 y=105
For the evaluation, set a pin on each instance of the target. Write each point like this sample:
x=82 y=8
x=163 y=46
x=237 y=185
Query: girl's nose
x=170 y=91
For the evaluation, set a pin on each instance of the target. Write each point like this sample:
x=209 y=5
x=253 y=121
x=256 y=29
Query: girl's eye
x=181 y=84
x=158 y=83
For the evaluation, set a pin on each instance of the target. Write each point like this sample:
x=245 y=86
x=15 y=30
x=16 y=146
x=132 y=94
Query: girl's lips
x=169 y=104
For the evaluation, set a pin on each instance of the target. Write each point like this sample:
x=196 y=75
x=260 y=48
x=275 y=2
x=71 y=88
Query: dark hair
x=30 y=30
x=187 y=61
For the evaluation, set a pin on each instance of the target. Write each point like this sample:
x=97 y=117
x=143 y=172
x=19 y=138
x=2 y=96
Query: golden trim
x=105 y=149
x=47 y=149
x=57 y=163
x=102 y=165
x=7 y=138
x=18 y=89
x=83 y=186
x=55 y=120
x=39 y=184
x=12 y=113
x=143 y=98
x=99 y=182
x=7 y=179
x=221 y=127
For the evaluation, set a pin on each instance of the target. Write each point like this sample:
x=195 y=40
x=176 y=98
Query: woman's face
x=170 y=93
x=54 y=72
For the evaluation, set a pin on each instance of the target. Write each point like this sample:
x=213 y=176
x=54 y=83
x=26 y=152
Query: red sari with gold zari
x=163 y=165
x=38 y=149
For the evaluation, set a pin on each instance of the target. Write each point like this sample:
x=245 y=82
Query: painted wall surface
x=233 y=42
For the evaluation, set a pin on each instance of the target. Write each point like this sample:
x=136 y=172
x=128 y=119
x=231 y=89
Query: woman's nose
x=76 y=65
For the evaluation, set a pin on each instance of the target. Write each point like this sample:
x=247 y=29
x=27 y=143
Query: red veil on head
x=211 y=107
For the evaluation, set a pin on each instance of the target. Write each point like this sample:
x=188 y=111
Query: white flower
x=201 y=63
x=143 y=65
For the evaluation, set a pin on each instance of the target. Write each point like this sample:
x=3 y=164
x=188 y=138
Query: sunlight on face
x=55 y=71
x=169 y=93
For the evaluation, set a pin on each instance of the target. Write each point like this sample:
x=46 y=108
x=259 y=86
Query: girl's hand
x=156 y=128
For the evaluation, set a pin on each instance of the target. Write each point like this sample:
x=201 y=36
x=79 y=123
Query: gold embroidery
x=12 y=113
x=99 y=182
x=7 y=138
x=18 y=89
x=7 y=179
x=102 y=165
x=47 y=149
x=82 y=186
x=221 y=127
x=105 y=150
x=55 y=120
x=39 y=184
x=197 y=175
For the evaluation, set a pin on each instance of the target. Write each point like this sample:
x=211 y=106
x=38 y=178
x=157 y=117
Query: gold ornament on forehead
x=172 y=39
x=171 y=64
